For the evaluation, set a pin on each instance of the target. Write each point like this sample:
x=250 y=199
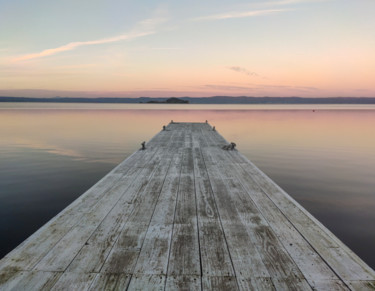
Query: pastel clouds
x=143 y=28
x=240 y=14
x=242 y=71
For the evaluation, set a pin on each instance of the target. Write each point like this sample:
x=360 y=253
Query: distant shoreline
x=199 y=100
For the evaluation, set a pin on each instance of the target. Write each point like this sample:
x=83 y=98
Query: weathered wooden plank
x=183 y=283
x=186 y=207
x=362 y=285
x=215 y=257
x=184 y=256
x=9 y=276
x=291 y=284
x=307 y=259
x=336 y=285
x=153 y=258
x=125 y=191
x=74 y=281
x=131 y=238
x=62 y=254
x=26 y=255
x=109 y=282
x=132 y=235
x=25 y=280
x=163 y=212
x=262 y=241
x=219 y=283
x=343 y=261
x=255 y=284
x=33 y=249
x=147 y=282
x=120 y=261
x=89 y=259
x=247 y=259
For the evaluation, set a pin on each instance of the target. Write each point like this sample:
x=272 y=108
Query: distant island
x=172 y=100
x=199 y=100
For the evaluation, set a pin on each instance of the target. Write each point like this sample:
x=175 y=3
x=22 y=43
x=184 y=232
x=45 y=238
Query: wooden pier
x=184 y=214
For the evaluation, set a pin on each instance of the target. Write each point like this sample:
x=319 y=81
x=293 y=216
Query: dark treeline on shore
x=200 y=100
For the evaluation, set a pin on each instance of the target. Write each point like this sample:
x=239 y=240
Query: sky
x=129 y=48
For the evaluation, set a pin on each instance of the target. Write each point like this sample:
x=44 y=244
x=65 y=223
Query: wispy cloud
x=258 y=87
x=143 y=28
x=165 y=48
x=240 y=14
x=243 y=71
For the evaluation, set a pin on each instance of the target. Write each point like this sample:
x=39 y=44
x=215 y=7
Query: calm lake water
x=323 y=156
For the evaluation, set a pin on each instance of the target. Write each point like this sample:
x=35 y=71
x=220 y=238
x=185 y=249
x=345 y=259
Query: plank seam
x=174 y=217
x=135 y=264
x=119 y=233
x=221 y=224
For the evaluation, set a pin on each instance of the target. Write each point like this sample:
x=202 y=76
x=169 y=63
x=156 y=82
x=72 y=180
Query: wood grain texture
x=184 y=214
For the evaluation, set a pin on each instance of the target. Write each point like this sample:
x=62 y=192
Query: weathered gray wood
x=291 y=284
x=108 y=282
x=62 y=254
x=183 y=283
x=133 y=203
x=120 y=261
x=215 y=256
x=261 y=238
x=131 y=238
x=246 y=259
x=74 y=281
x=219 y=283
x=133 y=235
x=153 y=258
x=33 y=249
x=25 y=280
x=343 y=261
x=184 y=256
x=184 y=214
x=255 y=284
x=147 y=282
x=310 y=262
x=362 y=285
x=254 y=239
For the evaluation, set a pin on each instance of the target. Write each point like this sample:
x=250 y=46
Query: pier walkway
x=184 y=214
